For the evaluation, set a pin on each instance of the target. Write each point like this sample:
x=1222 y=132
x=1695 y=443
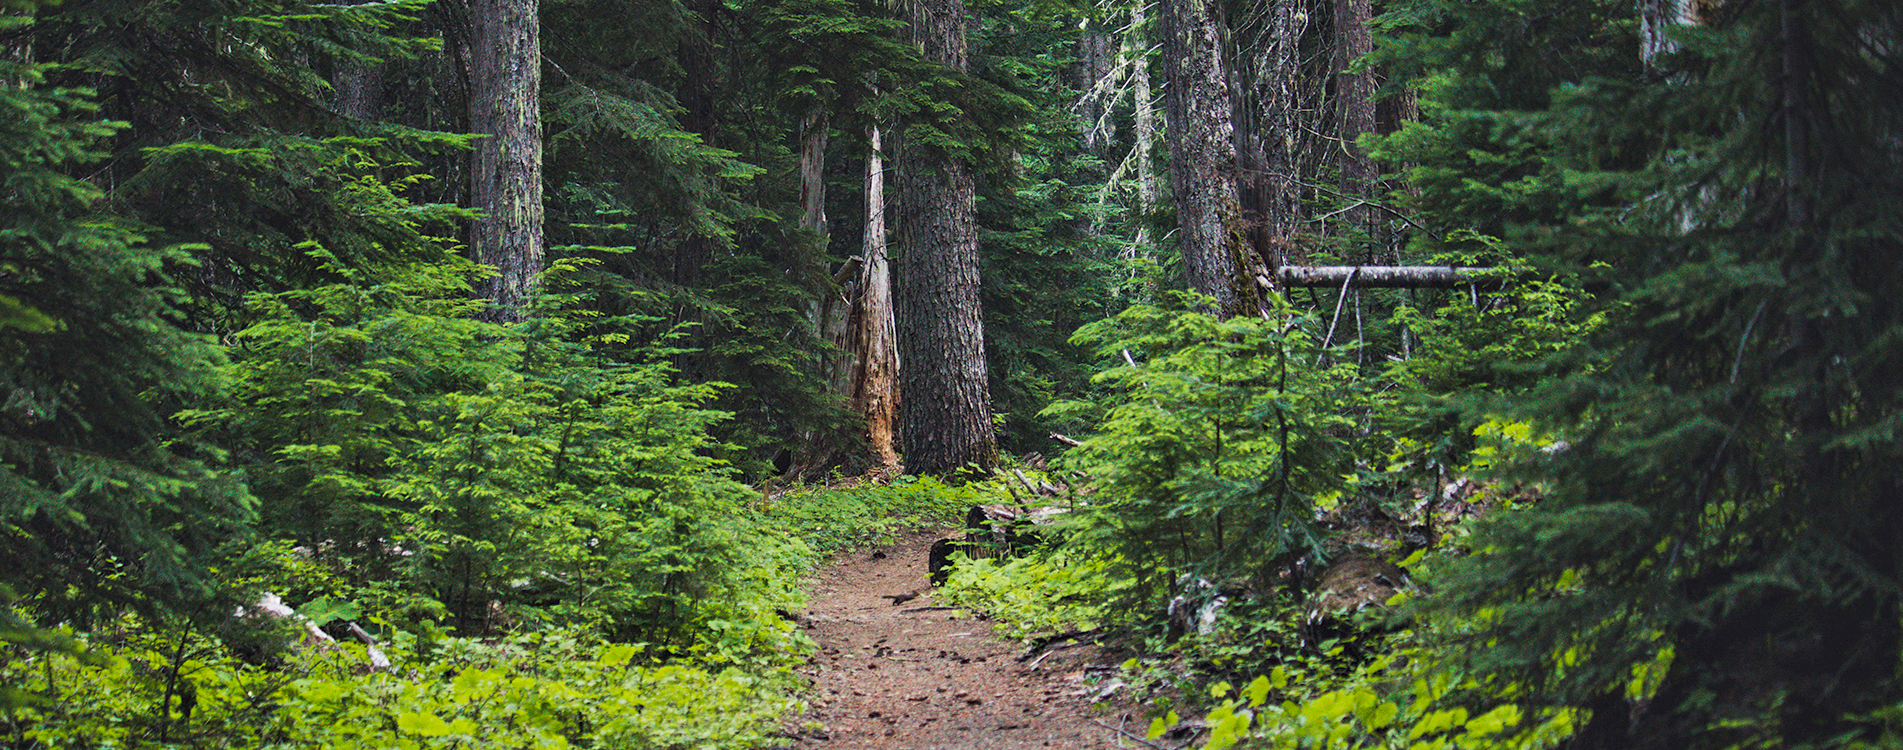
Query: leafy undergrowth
x=833 y=519
x=247 y=682
x=1033 y=595
x=553 y=689
x=1262 y=673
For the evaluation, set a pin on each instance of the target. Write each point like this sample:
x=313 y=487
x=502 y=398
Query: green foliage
x=1326 y=698
x=548 y=690
x=1043 y=593
x=98 y=507
x=1490 y=345
x=1219 y=439
x=1731 y=425
x=231 y=144
x=832 y=520
x=509 y=474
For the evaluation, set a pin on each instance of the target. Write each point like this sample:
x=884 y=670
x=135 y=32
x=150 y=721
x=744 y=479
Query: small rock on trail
x=895 y=671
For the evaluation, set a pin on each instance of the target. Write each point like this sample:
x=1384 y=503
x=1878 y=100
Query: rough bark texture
x=1202 y=154
x=1275 y=143
x=1354 y=95
x=946 y=410
x=359 y=86
x=813 y=173
x=875 y=342
x=506 y=170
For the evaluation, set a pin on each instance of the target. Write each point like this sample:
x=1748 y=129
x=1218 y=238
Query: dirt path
x=915 y=676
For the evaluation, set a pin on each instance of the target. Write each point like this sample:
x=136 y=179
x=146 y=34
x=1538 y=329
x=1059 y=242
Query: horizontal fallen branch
x=1383 y=277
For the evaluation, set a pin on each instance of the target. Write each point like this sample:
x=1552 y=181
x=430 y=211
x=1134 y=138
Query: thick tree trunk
x=1202 y=154
x=506 y=170
x=813 y=173
x=1271 y=131
x=1354 y=95
x=1284 y=157
x=875 y=387
x=946 y=407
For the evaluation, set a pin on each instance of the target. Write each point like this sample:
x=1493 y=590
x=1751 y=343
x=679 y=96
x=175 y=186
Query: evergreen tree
x=1202 y=148
x=945 y=408
x=99 y=507
x=1726 y=500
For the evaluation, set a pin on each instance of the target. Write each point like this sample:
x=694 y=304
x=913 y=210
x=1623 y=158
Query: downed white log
x=273 y=605
x=1382 y=277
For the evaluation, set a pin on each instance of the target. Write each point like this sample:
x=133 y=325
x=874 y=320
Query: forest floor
x=896 y=673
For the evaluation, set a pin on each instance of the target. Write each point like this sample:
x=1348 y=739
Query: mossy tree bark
x=505 y=101
x=1199 y=107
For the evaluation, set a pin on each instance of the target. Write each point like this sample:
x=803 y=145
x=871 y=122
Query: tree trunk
x=359 y=86
x=1270 y=128
x=698 y=95
x=506 y=170
x=1282 y=138
x=813 y=173
x=1354 y=94
x=1145 y=104
x=1093 y=67
x=1655 y=18
x=946 y=408
x=875 y=388
x=1202 y=154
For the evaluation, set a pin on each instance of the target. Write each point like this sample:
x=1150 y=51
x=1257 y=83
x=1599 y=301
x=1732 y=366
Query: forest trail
x=911 y=675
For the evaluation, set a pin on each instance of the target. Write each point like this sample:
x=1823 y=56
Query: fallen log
x=273 y=606
x=1383 y=277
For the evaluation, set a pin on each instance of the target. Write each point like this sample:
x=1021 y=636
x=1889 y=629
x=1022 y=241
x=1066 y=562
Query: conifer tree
x=98 y=508
x=1203 y=151
x=1726 y=500
x=945 y=405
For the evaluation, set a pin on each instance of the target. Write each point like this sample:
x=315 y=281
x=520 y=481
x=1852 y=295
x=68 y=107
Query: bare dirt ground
x=898 y=673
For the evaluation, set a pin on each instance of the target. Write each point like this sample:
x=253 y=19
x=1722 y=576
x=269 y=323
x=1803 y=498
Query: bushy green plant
x=1213 y=447
x=832 y=520
x=1043 y=593
x=101 y=505
x=510 y=475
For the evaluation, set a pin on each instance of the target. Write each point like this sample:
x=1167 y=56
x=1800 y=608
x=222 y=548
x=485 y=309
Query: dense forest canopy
x=491 y=333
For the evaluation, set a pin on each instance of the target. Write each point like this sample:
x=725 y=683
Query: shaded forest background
x=488 y=332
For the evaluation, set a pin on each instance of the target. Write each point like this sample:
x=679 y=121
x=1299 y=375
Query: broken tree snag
x=1383 y=277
